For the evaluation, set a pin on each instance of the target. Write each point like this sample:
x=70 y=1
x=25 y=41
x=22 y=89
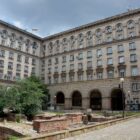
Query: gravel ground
x=129 y=130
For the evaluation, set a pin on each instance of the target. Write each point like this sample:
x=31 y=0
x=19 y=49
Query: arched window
x=119 y=27
x=98 y=32
x=108 y=29
x=130 y=24
x=60 y=98
x=50 y=47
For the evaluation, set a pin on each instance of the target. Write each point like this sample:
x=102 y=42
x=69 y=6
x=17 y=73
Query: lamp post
x=123 y=97
x=54 y=98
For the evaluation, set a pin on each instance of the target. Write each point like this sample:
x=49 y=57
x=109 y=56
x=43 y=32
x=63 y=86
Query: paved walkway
x=129 y=130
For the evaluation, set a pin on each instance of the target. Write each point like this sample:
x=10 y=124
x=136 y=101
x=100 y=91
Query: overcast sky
x=53 y=16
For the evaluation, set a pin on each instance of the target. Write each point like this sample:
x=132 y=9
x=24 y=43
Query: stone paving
x=129 y=130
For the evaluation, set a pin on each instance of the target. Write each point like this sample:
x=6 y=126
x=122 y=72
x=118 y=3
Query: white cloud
x=18 y=24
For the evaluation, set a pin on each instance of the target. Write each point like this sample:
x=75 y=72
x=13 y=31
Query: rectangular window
x=89 y=54
x=99 y=63
x=49 y=70
x=80 y=56
x=109 y=61
x=33 y=62
x=121 y=60
x=56 y=80
x=122 y=72
x=132 y=46
x=80 y=77
x=11 y=55
x=19 y=58
x=110 y=74
x=89 y=76
x=26 y=69
x=18 y=67
x=2 y=53
x=10 y=65
x=71 y=66
x=99 y=75
x=49 y=80
x=109 y=50
x=63 y=79
x=27 y=60
x=56 y=69
x=80 y=66
x=56 y=60
x=134 y=70
x=49 y=62
x=109 y=39
x=133 y=58
x=63 y=68
x=63 y=59
x=89 y=64
x=135 y=87
x=99 y=52
x=1 y=63
x=71 y=57
x=120 y=48
x=71 y=78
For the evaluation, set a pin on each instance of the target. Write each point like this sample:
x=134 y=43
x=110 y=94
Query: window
x=63 y=78
x=130 y=24
x=99 y=52
x=56 y=60
x=63 y=68
x=71 y=78
x=99 y=62
x=49 y=80
x=56 y=69
x=33 y=61
x=55 y=80
x=27 y=60
x=80 y=56
x=1 y=74
x=120 y=36
x=108 y=29
x=89 y=54
x=26 y=69
x=121 y=59
x=11 y=55
x=109 y=61
x=63 y=59
x=10 y=65
x=49 y=70
x=109 y=50
x=71 y=57
x=89 y=64
x=120 y=48
x=19 y=58
x=89 y=76
x=49 y=62
x=2 y=53
x=135 y=87
x=18 y=67
x=133 y=58
x=80 y=66
x=119 y=27
x=134 y=70
x=110 y=74
x=33 y=70
x=109 y=39
x=132 y=46
x=131 y=34
x=1 y=63
x=80 y=77
x=9 y=75
x=17 y=76
x=122 y=72
x=99 y=75
x=71 y=66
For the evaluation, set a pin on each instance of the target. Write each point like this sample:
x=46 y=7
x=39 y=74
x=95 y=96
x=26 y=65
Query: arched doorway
x=60 y=98
x=76 y=99
x=116 y=99
x=95 y=100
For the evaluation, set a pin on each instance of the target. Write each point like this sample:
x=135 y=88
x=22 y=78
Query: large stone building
x=82 y=66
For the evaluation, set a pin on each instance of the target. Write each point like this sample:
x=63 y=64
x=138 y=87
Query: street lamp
x=123 y=97
x=54 y=98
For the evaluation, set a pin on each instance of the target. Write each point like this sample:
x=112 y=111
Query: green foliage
x=12 y=138
x=25 y=97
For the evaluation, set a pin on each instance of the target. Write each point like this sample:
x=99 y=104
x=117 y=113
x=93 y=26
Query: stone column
x=106 y=103
x=68 y=104
x=85 y=102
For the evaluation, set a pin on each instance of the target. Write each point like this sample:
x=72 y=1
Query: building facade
x=82 y=66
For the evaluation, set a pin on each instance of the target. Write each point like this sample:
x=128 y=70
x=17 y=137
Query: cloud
x=52 y=16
